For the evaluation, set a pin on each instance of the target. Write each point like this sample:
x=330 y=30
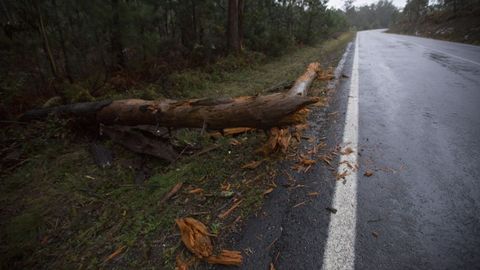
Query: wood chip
x=252 y=165
x=230 y=210
x=268 y=191
x=196 y=190
x=298 y=204
x=172 y=192
x=115 y=253
x=368 y=173
x=313 y=193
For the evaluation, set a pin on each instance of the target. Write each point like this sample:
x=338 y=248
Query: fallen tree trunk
x=302 y=84
x=274 y=110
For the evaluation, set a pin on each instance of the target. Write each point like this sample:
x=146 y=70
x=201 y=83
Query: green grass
x=59 y=210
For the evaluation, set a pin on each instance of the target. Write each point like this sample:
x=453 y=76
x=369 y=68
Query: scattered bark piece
x=235 y=131
x=115 y=254
x=268 y=191
x=252 y=165
x=347 y=151
x=196 y=190
x=230 y=210
x=368 y=173
x=340 y=176
x=226 y=257
x=195 y=237
x=375 y=234
x=235 y=142
x=172 y=192
x=313 y=193
x=298 y=204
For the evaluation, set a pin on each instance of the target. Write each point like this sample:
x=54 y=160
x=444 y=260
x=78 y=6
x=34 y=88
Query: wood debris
x=196 y=190
x=230 y=210
x=298 y=204
x=368 y=173
x=196 y=238
x=235 y=142
x=226 y=257
x=340 y=176
x=347 y=151
x=279 y=139
x=172 y=192
x=252 y=165
x=268 y=191
x=313 y=193
x=115 y=253
x=303 y=164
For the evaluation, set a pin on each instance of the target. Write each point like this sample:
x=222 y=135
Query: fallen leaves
x=196 y=238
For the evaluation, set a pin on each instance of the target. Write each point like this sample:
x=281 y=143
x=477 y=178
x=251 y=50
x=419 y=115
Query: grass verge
x=59 y=210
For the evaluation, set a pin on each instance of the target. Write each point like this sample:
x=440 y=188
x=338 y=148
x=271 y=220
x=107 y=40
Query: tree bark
x=275 y=110
x=233 y=38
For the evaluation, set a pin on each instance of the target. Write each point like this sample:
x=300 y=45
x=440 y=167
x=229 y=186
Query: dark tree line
x=44 y=42
x=378 y=15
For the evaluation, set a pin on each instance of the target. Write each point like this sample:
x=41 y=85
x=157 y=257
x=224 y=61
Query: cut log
x=274 y=110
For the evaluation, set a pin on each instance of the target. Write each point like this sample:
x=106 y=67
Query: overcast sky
x=339 y=3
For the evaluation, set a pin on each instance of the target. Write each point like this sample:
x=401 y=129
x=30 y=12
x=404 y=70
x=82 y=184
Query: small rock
x=331 y=210
x=368 y=173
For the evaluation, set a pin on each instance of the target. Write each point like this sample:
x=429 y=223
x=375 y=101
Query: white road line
x=340 y=246
x=452 y=55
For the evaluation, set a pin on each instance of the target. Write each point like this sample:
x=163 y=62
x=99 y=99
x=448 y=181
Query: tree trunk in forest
x=118 y=59
x=233 y=38
x=275 y=110
x=66 y=57
x=46 y=44
x=241 y=9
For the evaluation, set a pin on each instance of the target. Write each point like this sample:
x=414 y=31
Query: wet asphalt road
x=419 y=129
x=419 y=133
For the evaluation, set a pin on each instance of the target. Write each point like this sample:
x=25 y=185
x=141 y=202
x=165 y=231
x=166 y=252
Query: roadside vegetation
x=59 y=208
x=453 y=20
